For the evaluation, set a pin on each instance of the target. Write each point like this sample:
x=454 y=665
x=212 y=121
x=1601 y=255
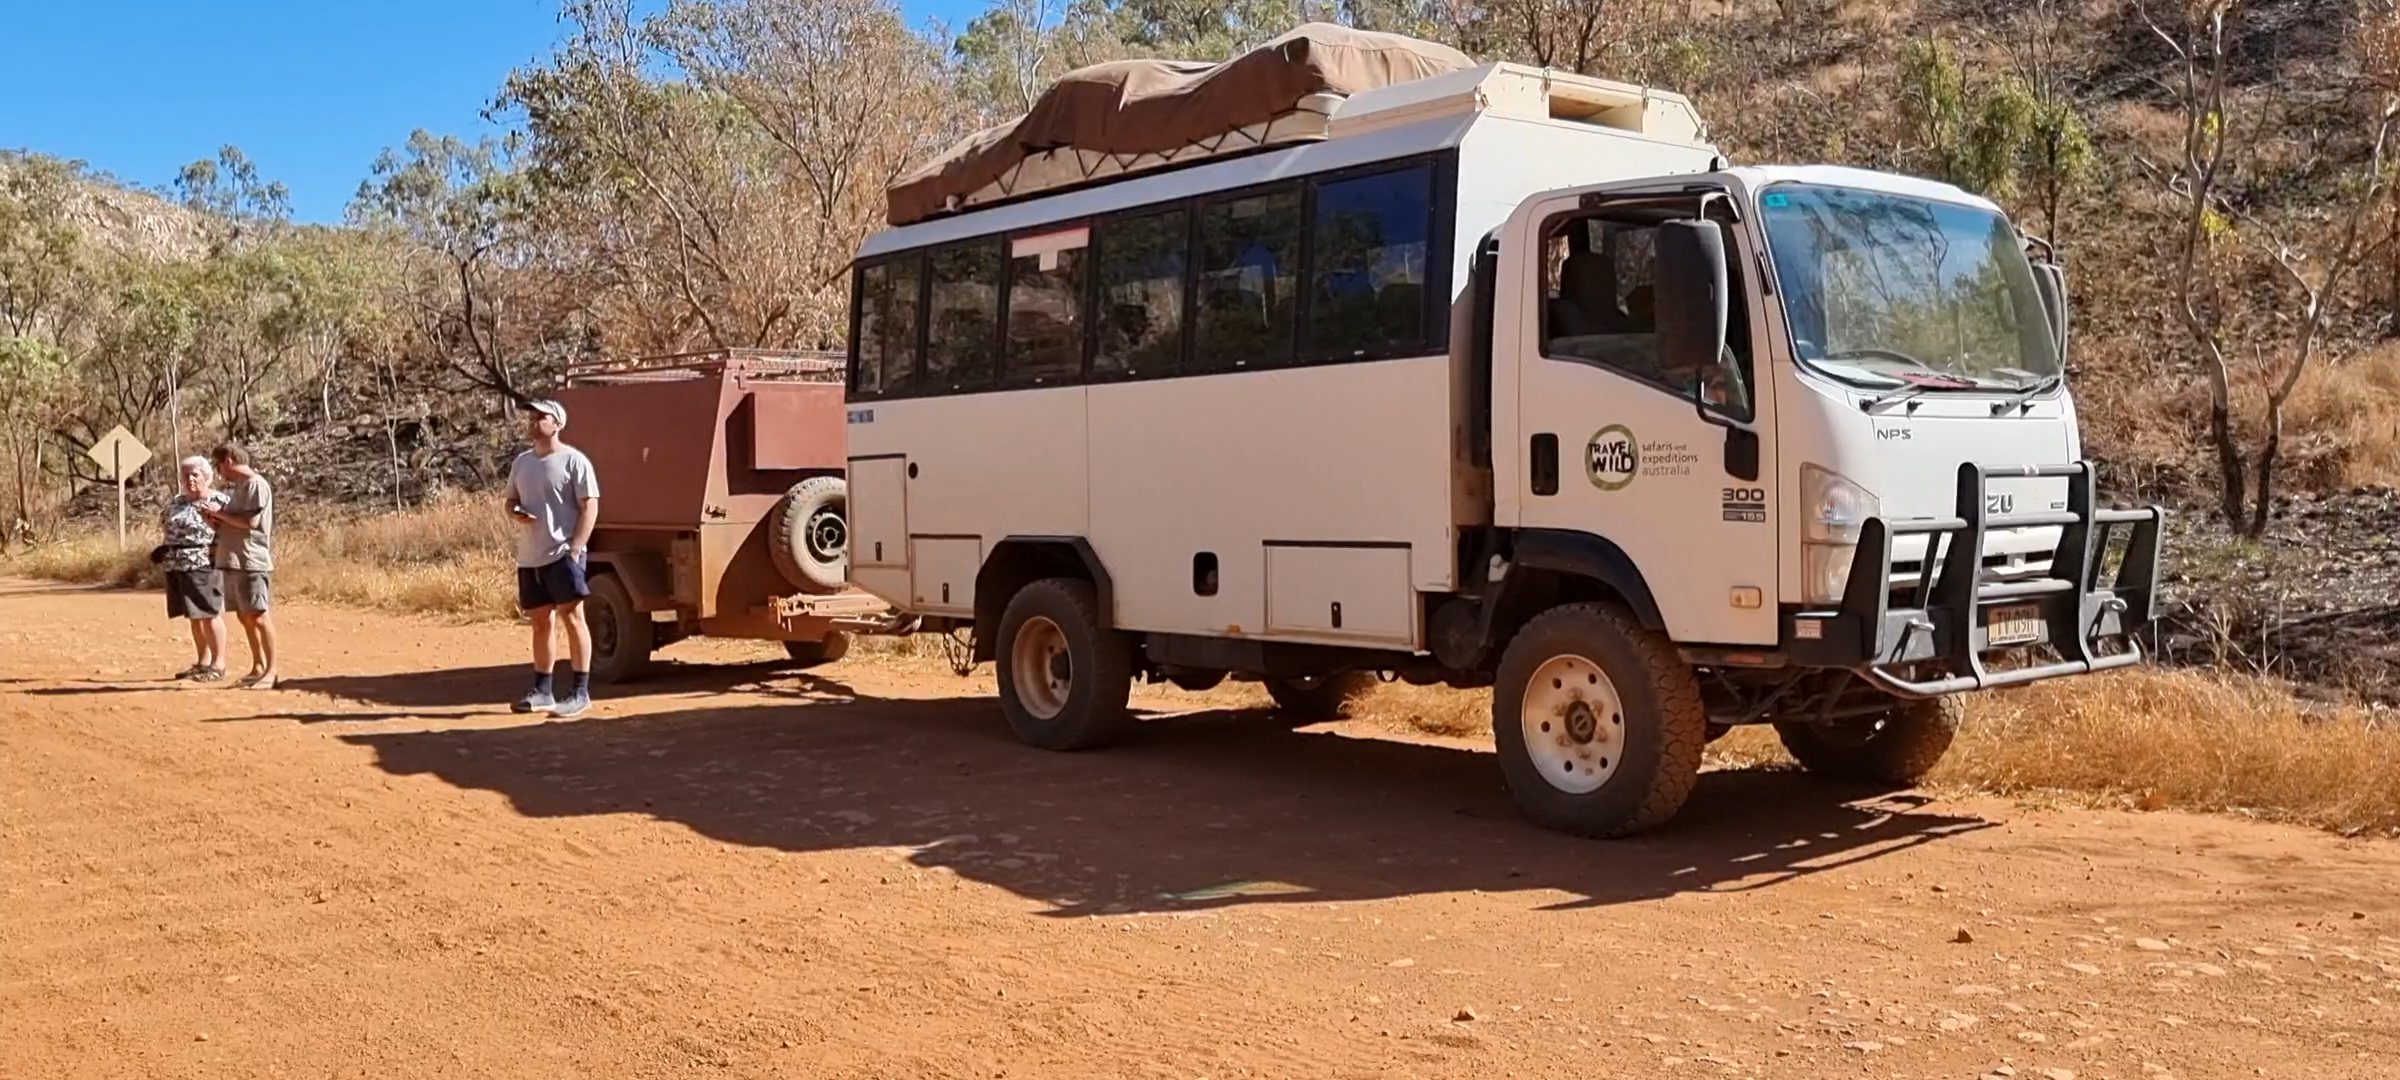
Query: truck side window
x=1371 y=236
x=904 y=329
x=887 y=327
x=962 y=339
x=1249 y=280
x=874 y=316
x=1141 y=265
x=1045 y=306
x=1598 y=308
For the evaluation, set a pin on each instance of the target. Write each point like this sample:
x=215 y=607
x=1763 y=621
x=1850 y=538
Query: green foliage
x=1991 y=157
x=1999 y=137
x=41 y=257
x=1933 y=96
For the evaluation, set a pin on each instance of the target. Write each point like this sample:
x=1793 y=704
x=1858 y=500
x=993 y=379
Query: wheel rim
x=1044 y=675
x=828 y=535
x=1574 y=724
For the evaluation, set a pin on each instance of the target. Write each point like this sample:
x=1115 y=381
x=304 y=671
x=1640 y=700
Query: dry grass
x=2341 y=425
x=448 y=558
x=2352 y=411
x=2150 y=739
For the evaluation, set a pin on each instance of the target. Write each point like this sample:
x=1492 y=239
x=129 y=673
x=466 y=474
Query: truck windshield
x=1888 y=290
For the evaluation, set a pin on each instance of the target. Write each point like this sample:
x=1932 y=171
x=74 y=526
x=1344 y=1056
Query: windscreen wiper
x=1911 y=387
x=2022 y=397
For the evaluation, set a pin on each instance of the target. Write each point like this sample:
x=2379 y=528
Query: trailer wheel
x=1064 y=679
x=809 y=654
x=621 y=637
x=1898 y=747
x=1598 y=721
x=1320 y=697
x=811 y=545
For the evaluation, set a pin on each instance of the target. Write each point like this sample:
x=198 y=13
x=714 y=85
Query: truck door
x=1613 y=450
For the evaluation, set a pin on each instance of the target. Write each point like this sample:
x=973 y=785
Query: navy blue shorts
x=556 y=583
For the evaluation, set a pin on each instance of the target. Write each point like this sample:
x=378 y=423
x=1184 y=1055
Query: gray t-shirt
x=551 y=489
x=250 y=549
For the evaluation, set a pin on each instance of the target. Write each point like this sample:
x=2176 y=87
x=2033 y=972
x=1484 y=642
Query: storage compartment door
x=943 y=573
x=1341 y=595
x=878 y=507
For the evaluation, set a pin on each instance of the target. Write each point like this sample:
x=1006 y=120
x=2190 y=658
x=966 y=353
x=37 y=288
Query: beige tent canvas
x=1132 y=115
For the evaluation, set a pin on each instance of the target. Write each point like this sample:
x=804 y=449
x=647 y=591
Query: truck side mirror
x=1691 y=287
x=1694 y=301
x=2050 y=279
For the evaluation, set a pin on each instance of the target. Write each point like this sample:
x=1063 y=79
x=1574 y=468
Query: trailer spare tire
x=811 y=544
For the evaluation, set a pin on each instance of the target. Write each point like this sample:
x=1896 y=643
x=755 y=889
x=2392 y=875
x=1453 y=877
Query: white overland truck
x=1351 y=358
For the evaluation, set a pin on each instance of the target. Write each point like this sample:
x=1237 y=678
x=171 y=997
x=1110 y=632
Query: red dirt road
x=737 y=870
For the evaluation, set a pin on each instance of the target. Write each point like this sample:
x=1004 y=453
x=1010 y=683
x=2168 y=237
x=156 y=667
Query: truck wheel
x=621 y=637
x=1898 y=747
x=1320 y=697
x=1064 y=679
x=811 y=545
x=809 y=654
x=1598 y=721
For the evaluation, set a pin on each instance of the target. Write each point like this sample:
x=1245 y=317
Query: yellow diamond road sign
x=118 y=453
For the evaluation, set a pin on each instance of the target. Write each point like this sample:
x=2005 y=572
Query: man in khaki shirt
x=245 y=553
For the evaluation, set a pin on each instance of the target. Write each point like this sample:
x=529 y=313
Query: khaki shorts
x=246 y=591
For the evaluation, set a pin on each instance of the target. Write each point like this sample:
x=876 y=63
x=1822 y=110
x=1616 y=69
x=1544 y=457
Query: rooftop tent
x=1131 y=115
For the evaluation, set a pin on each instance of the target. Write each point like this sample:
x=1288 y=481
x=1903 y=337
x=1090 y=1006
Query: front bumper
x=1931 y=634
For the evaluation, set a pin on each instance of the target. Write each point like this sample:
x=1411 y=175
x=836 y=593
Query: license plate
x=2013 y=625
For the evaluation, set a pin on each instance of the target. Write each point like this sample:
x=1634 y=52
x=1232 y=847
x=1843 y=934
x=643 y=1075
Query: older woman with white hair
x=195 y=592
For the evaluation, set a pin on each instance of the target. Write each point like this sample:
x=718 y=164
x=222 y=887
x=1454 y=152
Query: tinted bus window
x=1370 y=238
x=962 y=335
x=1045 y=306
x=887 y=327
x=1249 y=280
x=874 y=320
x=1141 y=266
x=902 y=324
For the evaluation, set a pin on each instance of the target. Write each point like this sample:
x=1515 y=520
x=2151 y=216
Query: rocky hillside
x=124 y=220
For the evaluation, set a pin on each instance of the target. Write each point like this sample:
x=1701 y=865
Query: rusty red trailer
x=723 y=504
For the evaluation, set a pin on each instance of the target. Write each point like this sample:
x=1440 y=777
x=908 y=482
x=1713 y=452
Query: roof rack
x=764 y=365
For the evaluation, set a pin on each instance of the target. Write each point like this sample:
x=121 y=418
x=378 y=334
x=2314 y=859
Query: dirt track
x=740 y=871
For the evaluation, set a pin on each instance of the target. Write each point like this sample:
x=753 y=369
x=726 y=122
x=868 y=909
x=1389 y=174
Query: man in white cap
x=555 y=495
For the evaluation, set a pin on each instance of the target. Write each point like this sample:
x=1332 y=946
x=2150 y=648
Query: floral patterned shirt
x=189 y=533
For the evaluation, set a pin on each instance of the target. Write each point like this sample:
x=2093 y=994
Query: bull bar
x=1938 y=619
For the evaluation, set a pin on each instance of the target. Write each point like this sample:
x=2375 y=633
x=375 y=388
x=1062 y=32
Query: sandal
x=263 y=682
x=208 y=675
x=191 y=672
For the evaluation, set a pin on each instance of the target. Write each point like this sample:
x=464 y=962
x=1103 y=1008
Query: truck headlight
x=1833 y=510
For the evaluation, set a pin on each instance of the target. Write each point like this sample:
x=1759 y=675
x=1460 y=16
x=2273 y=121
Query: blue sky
x=310 y=90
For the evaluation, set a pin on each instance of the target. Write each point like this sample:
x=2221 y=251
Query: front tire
x=1598 y=721
x=622 y=638
x=1898 y=747
x=1064 y=678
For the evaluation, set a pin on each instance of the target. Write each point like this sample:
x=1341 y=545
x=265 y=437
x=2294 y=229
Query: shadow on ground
x=490 y=689
x=1193 y=811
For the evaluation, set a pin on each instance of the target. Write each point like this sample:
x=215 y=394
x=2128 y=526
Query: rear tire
x=1064 y=679
x=1598 y=721
x=622 y=638
x=809 y=654
x=1320 y=697
x=811 y=541
x=1898 y=747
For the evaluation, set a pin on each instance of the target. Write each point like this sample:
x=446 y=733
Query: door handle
x=1544 y=468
